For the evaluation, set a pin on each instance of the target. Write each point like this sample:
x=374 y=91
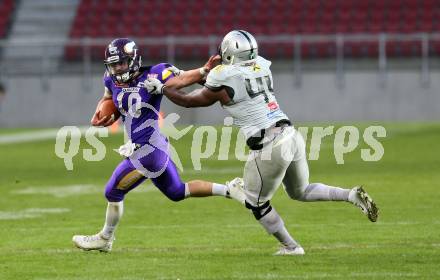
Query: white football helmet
x=237 y=47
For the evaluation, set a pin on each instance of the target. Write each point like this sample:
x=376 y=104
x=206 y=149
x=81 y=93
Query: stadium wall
x=67 y=101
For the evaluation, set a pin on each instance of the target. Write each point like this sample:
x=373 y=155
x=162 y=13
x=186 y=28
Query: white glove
x=176 y=71
x=127 y=149
x=154 y=86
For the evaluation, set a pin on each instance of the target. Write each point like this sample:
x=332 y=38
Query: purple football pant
x=126 y=177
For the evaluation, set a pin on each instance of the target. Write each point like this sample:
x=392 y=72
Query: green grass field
x=42 y=205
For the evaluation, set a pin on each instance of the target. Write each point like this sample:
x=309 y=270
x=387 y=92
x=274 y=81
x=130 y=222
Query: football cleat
x=93 y=242
x=359 y=197
x=235 y=190
x=286 y=251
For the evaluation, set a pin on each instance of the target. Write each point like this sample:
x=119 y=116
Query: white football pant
x=282 y=159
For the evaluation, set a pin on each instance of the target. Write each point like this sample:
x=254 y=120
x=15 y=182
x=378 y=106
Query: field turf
x=42 y=205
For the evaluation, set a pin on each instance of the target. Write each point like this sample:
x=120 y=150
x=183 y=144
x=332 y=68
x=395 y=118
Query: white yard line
x=31 y=213
x=58 y=191
x=245 y=249
x=256 y=225
x=28 y=136
x=147 y=226
x=32 y=136
x=73 y=190
x=313 y=275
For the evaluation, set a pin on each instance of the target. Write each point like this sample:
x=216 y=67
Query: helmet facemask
x=121 y=76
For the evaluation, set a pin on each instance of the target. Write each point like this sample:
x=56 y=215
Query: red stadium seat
x=6 y=11
x=96 y=18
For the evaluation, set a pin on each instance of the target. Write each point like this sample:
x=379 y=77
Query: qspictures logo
x=206 y=140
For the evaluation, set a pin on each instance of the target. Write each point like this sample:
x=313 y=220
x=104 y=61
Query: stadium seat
x=190 y=18
x=6 y=11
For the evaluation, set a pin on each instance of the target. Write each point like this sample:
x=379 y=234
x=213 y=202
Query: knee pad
x=259 y=211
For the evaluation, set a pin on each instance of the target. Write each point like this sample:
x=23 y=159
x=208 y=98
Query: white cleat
x=285 y=251
x=359 y=197
x=93 y=242
x=235 y=190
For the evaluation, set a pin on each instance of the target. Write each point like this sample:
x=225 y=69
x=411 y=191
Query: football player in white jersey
x=243 y=85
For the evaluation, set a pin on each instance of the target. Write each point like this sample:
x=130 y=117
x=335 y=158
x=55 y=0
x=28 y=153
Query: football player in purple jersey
x=146 y=153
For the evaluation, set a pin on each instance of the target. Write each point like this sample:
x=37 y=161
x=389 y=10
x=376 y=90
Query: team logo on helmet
x=129 y=47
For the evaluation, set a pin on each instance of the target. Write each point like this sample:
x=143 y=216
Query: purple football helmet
x=119 y=51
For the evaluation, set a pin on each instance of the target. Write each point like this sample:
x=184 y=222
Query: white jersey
x=253 y=106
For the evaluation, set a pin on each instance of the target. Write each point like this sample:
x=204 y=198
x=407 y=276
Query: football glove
x=127 y=149
x=154 y=86
x=176 y=71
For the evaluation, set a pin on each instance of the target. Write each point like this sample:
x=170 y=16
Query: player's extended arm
x=186 y=78
x=198 y=98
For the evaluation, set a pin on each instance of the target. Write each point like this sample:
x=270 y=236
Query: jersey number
x=260 y=85
x=134 y=104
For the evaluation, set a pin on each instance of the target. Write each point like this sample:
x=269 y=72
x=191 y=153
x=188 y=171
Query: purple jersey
x=139 y=109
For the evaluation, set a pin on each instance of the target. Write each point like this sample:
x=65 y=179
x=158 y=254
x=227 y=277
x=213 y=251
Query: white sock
x=112 y=217
x=352 y=196
x=322 y=192
x=285 y=238
x=274 y=225
x=187 y=192
x=219 y=189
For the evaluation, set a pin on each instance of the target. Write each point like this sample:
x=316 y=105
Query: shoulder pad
x=263 y=62
x=221 y=73
x=161 y=73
